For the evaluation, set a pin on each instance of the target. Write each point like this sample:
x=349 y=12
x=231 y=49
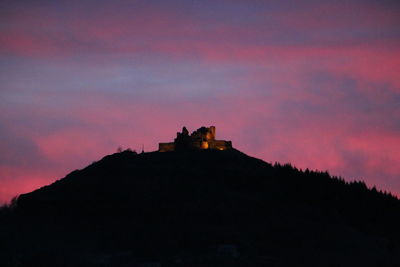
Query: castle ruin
x=202 y=138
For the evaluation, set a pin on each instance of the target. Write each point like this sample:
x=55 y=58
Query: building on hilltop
x=202 y=138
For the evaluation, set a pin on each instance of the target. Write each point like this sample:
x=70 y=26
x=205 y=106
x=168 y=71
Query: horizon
x=121 y=149
x=314 y=84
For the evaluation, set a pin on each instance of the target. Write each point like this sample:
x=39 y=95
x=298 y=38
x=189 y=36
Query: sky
x=313 y=83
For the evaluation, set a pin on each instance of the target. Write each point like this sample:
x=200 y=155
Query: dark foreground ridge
x=200 y=208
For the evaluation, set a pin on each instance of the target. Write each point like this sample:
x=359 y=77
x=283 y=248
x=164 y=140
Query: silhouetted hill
x=200 y=208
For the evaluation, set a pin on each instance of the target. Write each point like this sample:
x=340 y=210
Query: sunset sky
x=313 y=83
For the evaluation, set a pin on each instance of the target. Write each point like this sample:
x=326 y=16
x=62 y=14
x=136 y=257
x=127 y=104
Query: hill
x=200 y=208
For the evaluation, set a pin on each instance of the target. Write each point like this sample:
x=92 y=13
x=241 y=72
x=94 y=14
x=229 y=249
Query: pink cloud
x=17 y=180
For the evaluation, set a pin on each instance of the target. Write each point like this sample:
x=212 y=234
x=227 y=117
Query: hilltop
x=200 y=208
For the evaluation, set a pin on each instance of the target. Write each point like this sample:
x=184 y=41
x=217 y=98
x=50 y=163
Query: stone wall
x=221 y=145
x=165 y=147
